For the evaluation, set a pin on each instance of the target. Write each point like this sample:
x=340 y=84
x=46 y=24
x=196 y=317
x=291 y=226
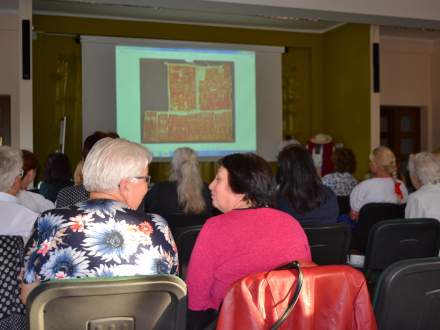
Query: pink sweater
x=238 y=243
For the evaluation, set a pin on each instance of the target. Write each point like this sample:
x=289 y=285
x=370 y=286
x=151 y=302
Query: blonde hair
x=185 y=170
x=384 y=158
x=78 y=175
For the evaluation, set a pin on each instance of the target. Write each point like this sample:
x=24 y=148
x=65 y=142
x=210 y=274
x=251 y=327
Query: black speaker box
x=26 y=48
x=376 y=72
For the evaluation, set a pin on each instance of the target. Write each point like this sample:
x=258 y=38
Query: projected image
x=169 y=97
x=186 y=102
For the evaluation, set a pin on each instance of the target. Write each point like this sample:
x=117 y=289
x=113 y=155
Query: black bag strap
x=292 y=303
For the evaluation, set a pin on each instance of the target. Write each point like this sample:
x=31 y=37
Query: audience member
x=104 y=236
x=424 y=170
x=249 y=237
x=301 y=192
x=342 y=181
x=31 y=200
x=184 y=193
x=77 y=193
x=383 y=187
x=16 y=219
x=57 y=175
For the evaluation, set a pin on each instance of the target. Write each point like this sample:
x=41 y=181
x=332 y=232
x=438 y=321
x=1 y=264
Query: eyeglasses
x=146 y=178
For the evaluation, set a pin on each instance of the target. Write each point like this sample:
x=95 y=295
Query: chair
x=407 y=296
x=142 y=302
x=332 y=297
x=329 y=244
x=185 y=239
x=371 y=214
x=178 y=221
x=394 y=240
x=11 y=262
x=344 y=204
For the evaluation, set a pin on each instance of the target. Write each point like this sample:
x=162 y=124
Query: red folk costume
x=321 y=148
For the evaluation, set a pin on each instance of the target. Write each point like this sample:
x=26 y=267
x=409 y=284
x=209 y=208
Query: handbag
x=295 y=297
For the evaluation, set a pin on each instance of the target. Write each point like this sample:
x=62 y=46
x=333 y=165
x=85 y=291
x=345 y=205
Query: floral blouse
x=99 y=238
x=341 y=183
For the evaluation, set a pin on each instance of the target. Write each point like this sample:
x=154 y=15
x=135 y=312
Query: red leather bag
x=332 y=297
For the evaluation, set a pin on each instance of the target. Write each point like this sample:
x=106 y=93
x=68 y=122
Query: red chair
x=332 y=297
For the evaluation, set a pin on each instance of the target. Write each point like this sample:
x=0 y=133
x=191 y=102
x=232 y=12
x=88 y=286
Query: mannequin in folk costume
x=321 y=147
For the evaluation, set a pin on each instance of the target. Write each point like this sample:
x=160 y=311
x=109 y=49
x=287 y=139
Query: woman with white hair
x=16 y=219
x=104 y=236
x=184 y=194
x=383 y=187
x=424 y=171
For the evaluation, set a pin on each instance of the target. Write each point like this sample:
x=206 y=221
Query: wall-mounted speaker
x=376 y=71
x=26 y=48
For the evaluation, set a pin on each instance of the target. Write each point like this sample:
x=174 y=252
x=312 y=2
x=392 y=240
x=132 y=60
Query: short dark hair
x=298 y=180
x=57 y=168
x=252 y=176
x=30 y=161
x=90 y=141
x=344 y=161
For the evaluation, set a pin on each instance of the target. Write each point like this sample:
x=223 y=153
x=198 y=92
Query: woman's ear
x=16 y=186
x=415 y=181
x=123 y=186
x=28 y=179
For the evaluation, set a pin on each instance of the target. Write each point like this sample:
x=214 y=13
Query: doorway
x=5 y=120
x=400 y=131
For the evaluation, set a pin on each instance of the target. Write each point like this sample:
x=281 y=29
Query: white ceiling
x=410 y=33
x=212 y=14
x=299 y=15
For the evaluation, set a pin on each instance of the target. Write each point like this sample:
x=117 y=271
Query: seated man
x=15 y=218
x=424 y=171
x=105 y=235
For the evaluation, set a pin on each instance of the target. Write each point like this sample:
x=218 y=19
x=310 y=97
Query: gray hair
x=425 y=166
x=185 y=170
x=11 y=164
x=111 y=160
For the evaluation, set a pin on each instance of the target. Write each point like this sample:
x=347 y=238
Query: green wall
x=57 y=75
x=346 y=110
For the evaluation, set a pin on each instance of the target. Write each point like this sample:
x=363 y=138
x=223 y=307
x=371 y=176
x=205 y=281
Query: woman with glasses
x=250 y=236
x=106 y=235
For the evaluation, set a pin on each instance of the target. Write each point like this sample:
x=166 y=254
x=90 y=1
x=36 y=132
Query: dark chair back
x=407 y=296
x=185 y=240
x=179 y=221
x=369 y=215
x=11 y=262
x=130 y=303
x=394 y=240
x=329 y=244
x=344 y=204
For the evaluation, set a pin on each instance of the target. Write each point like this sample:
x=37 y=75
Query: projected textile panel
x=186 y=101
x=200 y=98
